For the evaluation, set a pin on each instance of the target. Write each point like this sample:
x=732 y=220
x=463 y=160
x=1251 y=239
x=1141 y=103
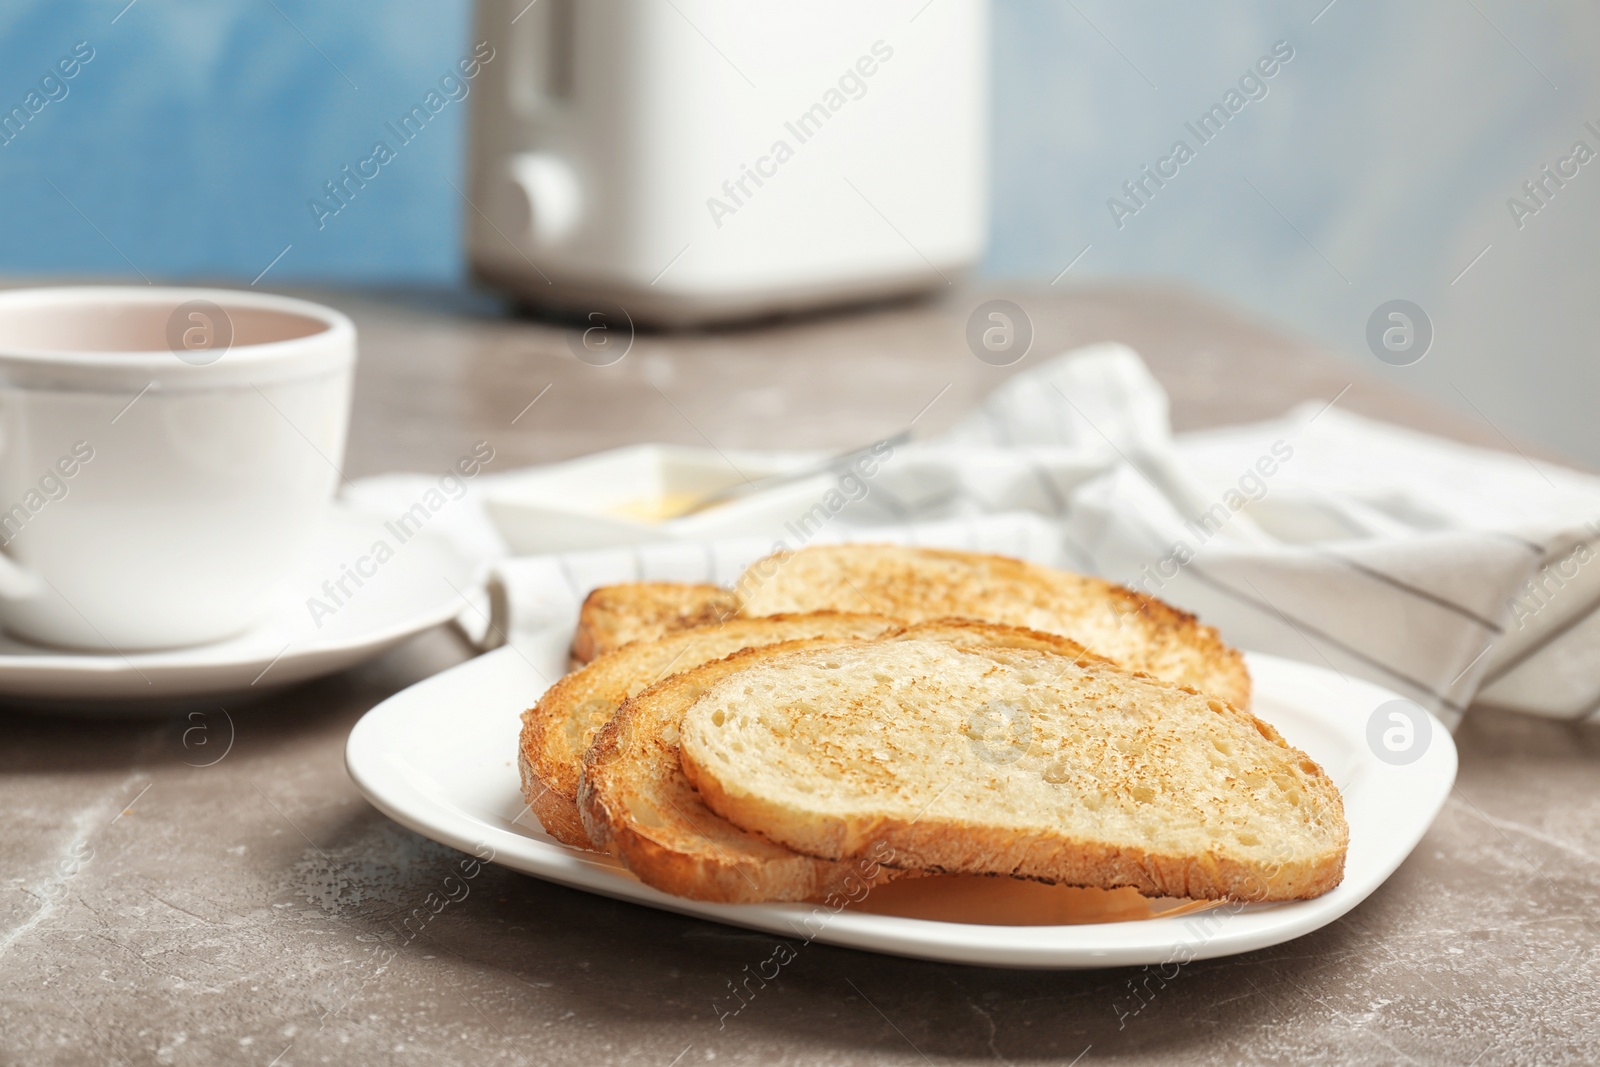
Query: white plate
x=414 y=590
x=440 y=758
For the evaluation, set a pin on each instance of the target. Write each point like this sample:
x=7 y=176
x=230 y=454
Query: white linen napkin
x=1444 y=572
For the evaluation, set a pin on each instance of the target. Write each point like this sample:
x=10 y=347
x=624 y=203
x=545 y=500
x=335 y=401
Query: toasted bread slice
x=1139 y=632
x=637 y=804
x=557 y=730
x=613 y=615
x=1013 y=761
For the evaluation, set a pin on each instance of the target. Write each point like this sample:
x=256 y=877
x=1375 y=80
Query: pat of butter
x=655 y=508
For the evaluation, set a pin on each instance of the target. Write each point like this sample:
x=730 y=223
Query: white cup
x=166 y=457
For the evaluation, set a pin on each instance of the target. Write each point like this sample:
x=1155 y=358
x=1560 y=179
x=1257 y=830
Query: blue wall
x=1378 y=165
x=200 y=128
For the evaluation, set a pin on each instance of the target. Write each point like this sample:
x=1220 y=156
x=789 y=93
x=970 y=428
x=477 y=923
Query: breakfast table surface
x=246 y=911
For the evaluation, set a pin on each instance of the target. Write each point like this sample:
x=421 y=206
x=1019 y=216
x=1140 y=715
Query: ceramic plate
x=440 y=758
x=410 y=592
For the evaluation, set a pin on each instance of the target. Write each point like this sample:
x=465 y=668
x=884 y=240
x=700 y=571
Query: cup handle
x=16 y=581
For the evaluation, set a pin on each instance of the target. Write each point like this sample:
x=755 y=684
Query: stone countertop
x=153 y=911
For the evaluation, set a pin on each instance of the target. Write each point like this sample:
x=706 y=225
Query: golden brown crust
x=980 y=634
x=555 y=813
x=935 y=841
x=636 y=805
x=549 y=778
x=614 y=615
x=1172 y=626
x=1137 y=631
x=939 y=846
x=557 y=731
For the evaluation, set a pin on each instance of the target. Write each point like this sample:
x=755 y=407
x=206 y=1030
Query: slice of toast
x=637 y=804
x=614 y=615
x=557 y=730
x=1013 y=761
x=1139 y=632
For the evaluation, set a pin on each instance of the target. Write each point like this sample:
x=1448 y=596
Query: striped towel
x=1455 y=576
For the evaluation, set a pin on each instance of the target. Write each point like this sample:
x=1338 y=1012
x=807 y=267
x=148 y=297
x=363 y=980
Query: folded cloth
x=1435 y=569
x=1455 y=575
x=1447 y=573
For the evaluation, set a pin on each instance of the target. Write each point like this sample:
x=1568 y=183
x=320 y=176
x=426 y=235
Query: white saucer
x=411 y=592
x=440 y=758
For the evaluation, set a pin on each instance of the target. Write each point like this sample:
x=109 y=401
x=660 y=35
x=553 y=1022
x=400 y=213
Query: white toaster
x=703 y=160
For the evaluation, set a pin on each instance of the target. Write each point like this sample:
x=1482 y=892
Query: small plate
x=414 y=590
x=633 y=495
x=439 y=758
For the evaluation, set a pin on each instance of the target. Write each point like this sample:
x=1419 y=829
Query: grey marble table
x=152 y=911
